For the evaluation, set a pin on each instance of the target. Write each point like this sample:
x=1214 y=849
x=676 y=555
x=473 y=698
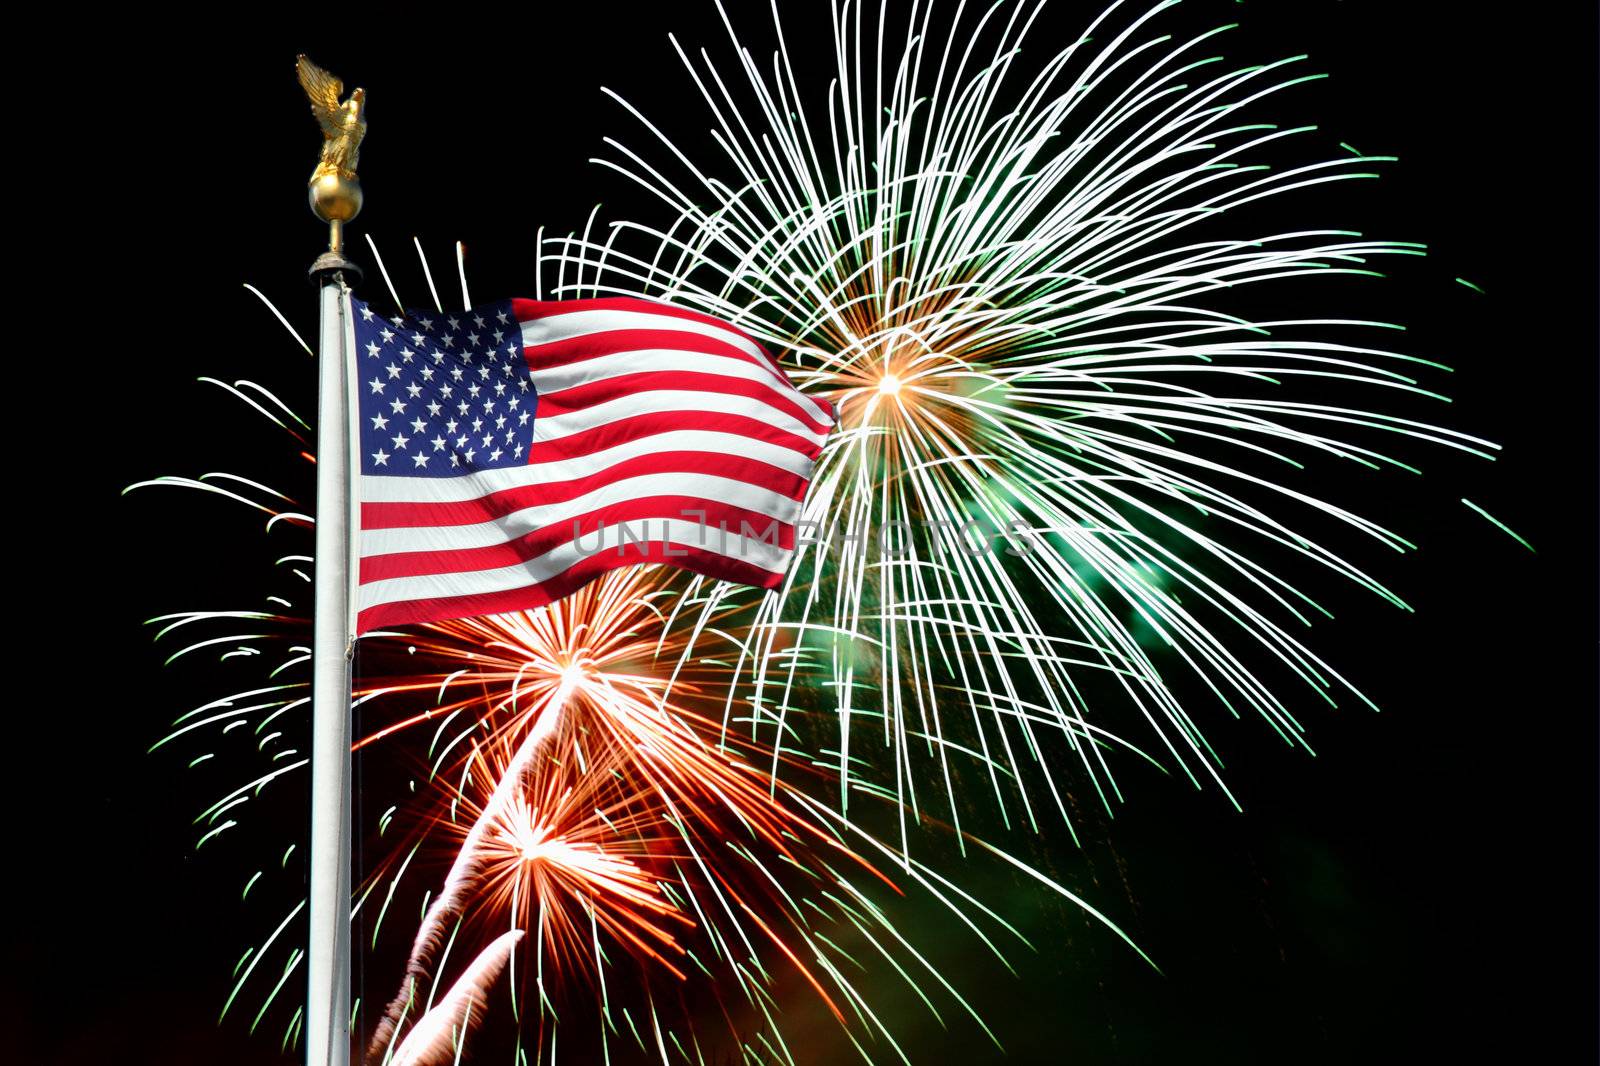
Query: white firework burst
x=1019 y=279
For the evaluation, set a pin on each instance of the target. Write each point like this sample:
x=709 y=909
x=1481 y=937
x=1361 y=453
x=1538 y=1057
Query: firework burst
x=1070 y=469
x=592 y=811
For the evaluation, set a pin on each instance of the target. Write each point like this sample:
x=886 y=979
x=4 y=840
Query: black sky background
x=1423 y=889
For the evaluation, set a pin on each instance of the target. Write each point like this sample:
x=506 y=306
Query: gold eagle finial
x=335 y=191
x=343 y=124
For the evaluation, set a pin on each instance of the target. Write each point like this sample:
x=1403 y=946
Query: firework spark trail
x=467 y=869
x=1008 y=278
x=439 y=1036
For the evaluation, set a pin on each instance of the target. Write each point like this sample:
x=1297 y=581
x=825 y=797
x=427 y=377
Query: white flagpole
x=335 y=195
x=327 y=1015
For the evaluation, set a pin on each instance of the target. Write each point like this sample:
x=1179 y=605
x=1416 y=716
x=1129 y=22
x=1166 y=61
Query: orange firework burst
x=590 y=806
x=570 y=843
x=601 y=643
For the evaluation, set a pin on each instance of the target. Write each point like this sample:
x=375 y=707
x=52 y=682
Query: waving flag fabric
x=512 y=453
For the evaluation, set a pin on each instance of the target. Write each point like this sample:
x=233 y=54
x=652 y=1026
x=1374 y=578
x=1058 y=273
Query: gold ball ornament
x=334 y=197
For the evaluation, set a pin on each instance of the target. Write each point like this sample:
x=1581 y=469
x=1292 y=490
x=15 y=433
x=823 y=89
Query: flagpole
x=335 y=196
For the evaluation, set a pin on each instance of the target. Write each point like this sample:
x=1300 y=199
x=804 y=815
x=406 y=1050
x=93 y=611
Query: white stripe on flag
x=678 y=532
x=708 y=487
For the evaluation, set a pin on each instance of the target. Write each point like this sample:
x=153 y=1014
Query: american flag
x=512 y=453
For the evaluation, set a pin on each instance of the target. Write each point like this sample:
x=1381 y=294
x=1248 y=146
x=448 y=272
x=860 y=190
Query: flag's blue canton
x=442 y=394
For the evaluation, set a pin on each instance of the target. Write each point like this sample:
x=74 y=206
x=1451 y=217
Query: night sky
x=1424 y=888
